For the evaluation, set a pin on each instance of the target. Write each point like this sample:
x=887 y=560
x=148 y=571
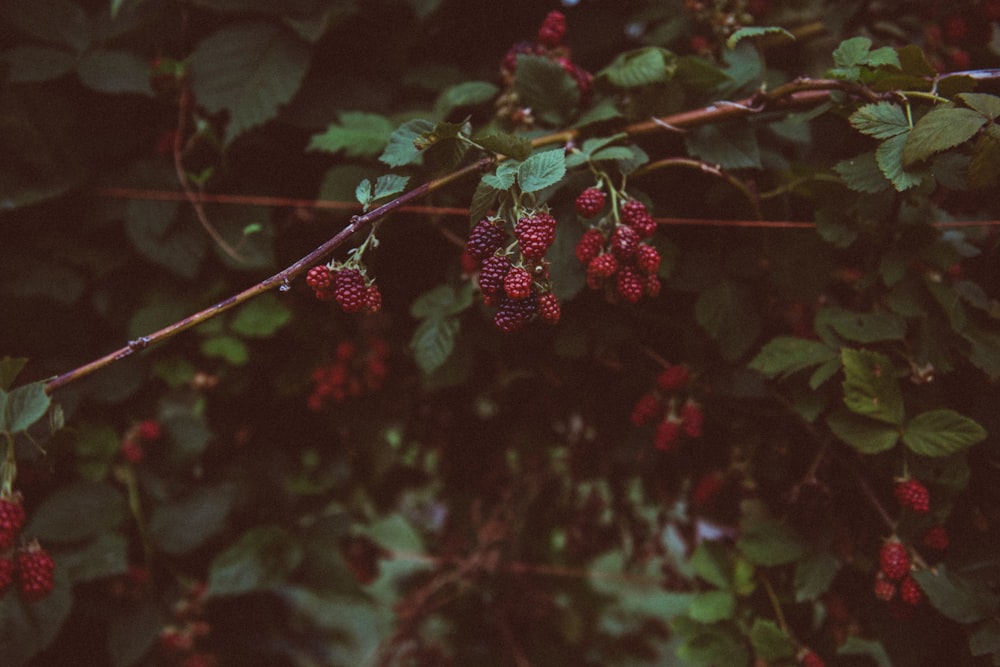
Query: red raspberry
x=149 y=429
x=599 y=269
x=692 y=419
x=673 y=377
x=350 y=290
x=912 y=494
x=652 y=286
x=936 y=538
x=666 y=435
x=589 y=246
x=517 y=283
x=884 y=589
x=485 y=238
x=512 y=314
x=7 y=570
x=553 y=30
x=624 y=242
x=894 y=559
x=636 y=215
x=645 y=409
x=811 y=659
x=629 y=285
x=12 y=518
x=548 y=308
x=535 y=233
x=590 y=202
x=319 y=278
x=492 y=275
x=910 y=592
x=647 y=259
x=35 y=573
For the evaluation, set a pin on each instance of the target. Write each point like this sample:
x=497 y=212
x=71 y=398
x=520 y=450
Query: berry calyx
x=552 y=30
x=590 y=202
x=350 y=290
x=910 y=591
x=517 y=283
x=549 y=310
x=894 y=560
x=12 y=518
x=35 y=573
x=913 y=495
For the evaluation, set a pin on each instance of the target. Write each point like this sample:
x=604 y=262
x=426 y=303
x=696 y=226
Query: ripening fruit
x=12 y=518
x=35 y=573
x=912 y=494
x=894 y=560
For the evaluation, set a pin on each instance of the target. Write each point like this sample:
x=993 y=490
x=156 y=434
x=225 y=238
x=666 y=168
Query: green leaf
x=250 y=83
x=987 y=105
x=852 y=52
x=941 y=433
x=814 y=574
x=433 y=341
x=114 y=72
x=881 y=120
x=363 y=193
x=182 y=526
x=941 y=129
x=230 y=348
x=695 y=72
x=889 y=156
x=541 y=170
x=29 y=63
x=885 y=56
x=753 y=32
x=640 y=67
x=502 y=143
x=984 y=167
x=861 y=327
x=870 y=386
x=636 y=591
x=866 y=647
x=786 y=355
x=442 y=301
x=913 y=62
x=483 y=200
x=10 y=368
x=862 y=174
x=547 y=89
x=261 y=317
x=771 y=543
x=727 y=312
x=402 y=148
x=863 y=434
x=712 y=606
x=105 y=556
x=711 y=562
x=78 y=512
x=712 y=645
x=985 y=639
x=389 y=185
x=957 y=597
x=504 y=176
x=260 y=560
x=470 y=93
x=730 y=145
x=770 y=643
x=357 y=133
x=22 y=407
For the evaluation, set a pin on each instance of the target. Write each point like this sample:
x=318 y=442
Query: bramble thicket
x=440 y=332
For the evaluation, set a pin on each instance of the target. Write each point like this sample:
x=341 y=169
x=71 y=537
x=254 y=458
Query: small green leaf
x=753 y=32
x=861 y=327
x=984 y=167
x=771 y=543
x=261 y=317
x=870 y=386
x=547 y=89
x=729 y=145
x=960 y=599
x=941 y=433
x=862 y=174
x=433 y=341
x=881 y=120
x=770 y=643
x=889 y=156
x=402 y=148
x=465 y=94
x=541 y=170
x=22 y=407
x=10 y=367
x=357 y=133
x=363 y=193
x=987 y=105
x=634 y=591
x=712 y=606
x=851 y=52
x=913 y=62
x=863 y=434
x=866 y=647
x=695 y=72
x=711 y=562
x=941 y=129
x=640 y=67
x=504 y=176
x=885 y=56
x=786 y=355
x=389 y=185
x=502 y=143
x=230 y=348
x=114 y=72
x=442 y=301
x=814 y=574
x=260 y=560
x=726 y=311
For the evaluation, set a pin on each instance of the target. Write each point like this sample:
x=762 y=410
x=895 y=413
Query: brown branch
x=705 y=168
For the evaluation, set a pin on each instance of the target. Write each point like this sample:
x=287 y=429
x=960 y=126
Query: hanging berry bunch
x=669 y=405
x=347 y=283
x=357 y=370
x=29 y=566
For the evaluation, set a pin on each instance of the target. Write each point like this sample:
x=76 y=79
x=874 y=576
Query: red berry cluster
x=133 y=444
x=179 y=640
x=913 y=495
x=894 y=576
x=661 y=404
x=954 y=35
x=621 y=262
x=716 y=21
x=355 y=371
x=349 y=287
x=31 y=567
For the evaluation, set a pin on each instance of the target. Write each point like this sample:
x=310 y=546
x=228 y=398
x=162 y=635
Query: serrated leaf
x=389 y=185
x=913 y=62
x=771 y=543
x=984 y=167
x=483 y=200
x=433 y=341
x=251 y=84
x=363 y=193
x=504 y=176
x=442 y=301
x=511 y=145
x=402 y=148
x=770 y=643
x=695 y=72
x=862 y=174
x=181 y=526
x=987 y=105
x=114 y=72
x=726 y=311
x=955 y=596
x=32 y=63
x=753 y=32
x=785 y=355
x=260 y=560
x=852 y=52
x=712 y=606
x=357 y=133
x=729 y=145
x=885 y=56
x=862 y=327
x=261 y=317
x=640 y=67
x=889 y=156
x=940 y=129
x=22 y=407
x=863 y=434
x=608 y=575
x=547 y=89
x=541 y=170
x=941 y=433
x=614 y=153
x=870 y=386
x=469 y=93
x=881 y=120
x=814 y=574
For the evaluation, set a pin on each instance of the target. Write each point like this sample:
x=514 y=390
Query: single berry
x=589 y=246
x=912 y=494
x=936 y=538
x=624 y=242
x=12 y=518
x=319 y=278
x=373 y=299
x=35 y=573
x=512 y=314
x=133 y=452
x=811 y=659
x=629 y=285
x=666 y=435
x=590 y=202
x=535 y=234
x=636 y=215
x=553 y=30
x=549 y=310
x=492 y=275
x=149 y=429
x=7 y=571
x=884 y=589
x=673 y=377
x=517 y=283
x=653 y=286
x=601 y=268
x=894 y=560
x=645 y=409
x=647 y=258
x=350 y=290
x=910 y=592
x=485 y=238
x=707 y=488
x=692 y=419
x=700 y=44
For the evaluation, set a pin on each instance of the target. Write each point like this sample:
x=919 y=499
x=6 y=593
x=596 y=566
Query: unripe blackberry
x=350 y=290
x=35 y=573
x=636 y=215
x=652 y=286
x=12 y=518
x=553 y=30
x=894 y=559
x=149 y=429
x=599 y=269
x=535 y=234
x=647 y=258
x=884 y=589
x=512 y=314
x=645 y=409
x=373 y=299
x=629 y=285
x=590 y=202
x=549 y=310
x=517 y=283
x=491 y=276
x=913 y=495
x=485 y=238
x=673 y=377
x=589 y=246
x=624 y=242
x=910 y=592
x=666 y=435
x=319 y=277
x=692 y=419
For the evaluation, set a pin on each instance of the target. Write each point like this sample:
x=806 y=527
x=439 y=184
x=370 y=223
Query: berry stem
x=698 y=165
